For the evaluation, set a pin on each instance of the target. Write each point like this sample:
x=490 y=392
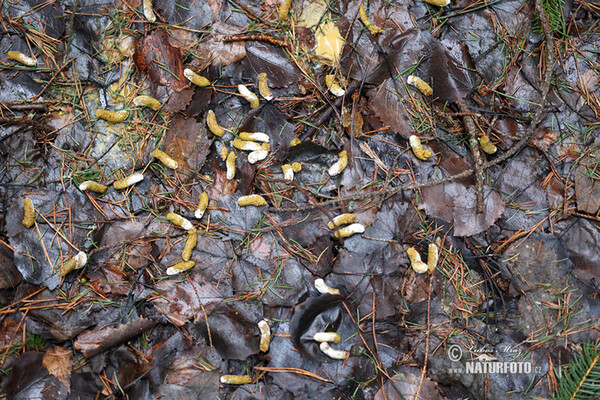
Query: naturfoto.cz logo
x=485 y=364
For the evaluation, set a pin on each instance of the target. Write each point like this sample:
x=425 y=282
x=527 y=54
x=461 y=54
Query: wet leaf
x=451 y=81
x=455 y=202
x=194 y=298
x=221 y=185
x=271 y=60
x=204 y=386
x=329 y=42
x=233 y=336
x=389 y=108
x=587 y=188
x=28 y=379
x=405 y=384
x=188 y=143
x=314 y=315
x=9 y=274
x=59 y=361
x=221 y=53
x=155 y=56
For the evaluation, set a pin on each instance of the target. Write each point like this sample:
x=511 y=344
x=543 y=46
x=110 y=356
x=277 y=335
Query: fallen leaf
x=155 y=56
x=451 y=81
x=329 y=43
x=587 y=188
x=221 y=53
x=188 y=143
x=193 y=298
x=272 y=60
x=59 y=361
x=221 y=185
x=457 y=203
x=390 y=109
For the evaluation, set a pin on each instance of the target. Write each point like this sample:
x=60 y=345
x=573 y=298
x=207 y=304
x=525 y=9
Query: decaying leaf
x=160 y=60
x=191 y=299
x=456 y=202
x=587 y=188
x=59 y=362
x=221 y=53
x=187 y=142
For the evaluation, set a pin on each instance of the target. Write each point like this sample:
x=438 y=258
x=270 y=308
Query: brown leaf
x=181 y=301
x=456 y=202
x=59 y=361
x=587 y=188
x=221 y=53
x=221 y=185
x=451 y=81
x=389 y=109
x=272 y=60
x=188 y=143
x=155 y=56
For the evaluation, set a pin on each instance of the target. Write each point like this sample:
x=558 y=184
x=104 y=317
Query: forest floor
x=505 y=184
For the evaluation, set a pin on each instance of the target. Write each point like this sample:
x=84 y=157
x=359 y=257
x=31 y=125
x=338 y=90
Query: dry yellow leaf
x=329 y=43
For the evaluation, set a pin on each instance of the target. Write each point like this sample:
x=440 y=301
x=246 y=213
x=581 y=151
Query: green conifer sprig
x=581 y=379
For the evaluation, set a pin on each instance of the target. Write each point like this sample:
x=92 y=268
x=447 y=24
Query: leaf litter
x=517 y=229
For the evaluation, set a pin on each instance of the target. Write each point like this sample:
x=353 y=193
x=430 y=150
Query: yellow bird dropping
x=329 y=337
x=78 y=261
x=433 y=254
x=93 y=187
x=415 y=261
x=245 y=145
x=420 y=84
x=334 y=87
x=195 y=78
x=129 y=181
x=417 y=148
x=112 y=116
x=252 y=200
x=22 y=58
x=190 y=244
x=260 y=154
x=147 y=101
x=323 y=288
x=230 y=164
x=263 y=87
x=29 y=213
x=236 y=379
x=202 y=204
x=148 y=11
x=439 y=3
x=265 y=336
x=288 y=172
x=349 y=230
x=249 y=96
x=255 y=136
x=213 y=125
x=178 y=220
x=341 y=220
x=180 y=267
x=340 y=164
x=165 y=159
x=374 y=29
x=487 y=145
x=284 y=9
x=333 y=353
